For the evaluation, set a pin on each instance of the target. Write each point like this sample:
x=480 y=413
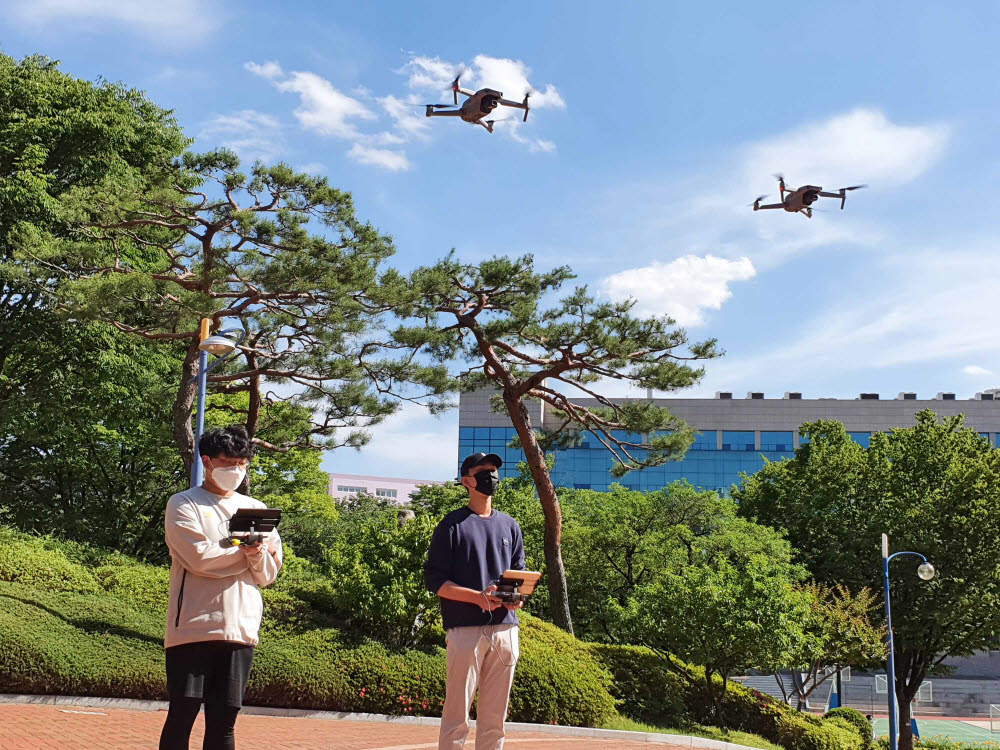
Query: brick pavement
x=44 y=727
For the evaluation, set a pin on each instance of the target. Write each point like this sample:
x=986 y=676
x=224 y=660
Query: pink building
x=399 y=490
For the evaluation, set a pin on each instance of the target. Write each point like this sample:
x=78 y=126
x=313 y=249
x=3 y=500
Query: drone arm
x=825 y=194
x=444 y=113
x=770 y=205
x=518 y=105
x=463 y=92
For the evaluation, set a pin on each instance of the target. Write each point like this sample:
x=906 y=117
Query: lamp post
x=222 y=347
x=926 y=572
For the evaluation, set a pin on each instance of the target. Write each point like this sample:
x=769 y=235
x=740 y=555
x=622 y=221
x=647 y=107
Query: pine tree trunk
x=555 y=571
x=187 y=392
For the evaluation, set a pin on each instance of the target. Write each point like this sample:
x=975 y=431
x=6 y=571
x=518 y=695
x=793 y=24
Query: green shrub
x=27 y=560
x=856 y=719
x=645 y=689
x=142 y=586
x=750 y=711
x=110 y=643
x=558 y=680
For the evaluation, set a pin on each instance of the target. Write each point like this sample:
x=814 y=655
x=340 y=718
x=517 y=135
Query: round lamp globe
x=926 y=571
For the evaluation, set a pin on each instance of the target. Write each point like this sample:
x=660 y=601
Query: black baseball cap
x=476 y=459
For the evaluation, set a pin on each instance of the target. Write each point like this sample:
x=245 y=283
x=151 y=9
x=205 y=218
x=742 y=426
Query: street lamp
x=223 y=348
x=925 y=572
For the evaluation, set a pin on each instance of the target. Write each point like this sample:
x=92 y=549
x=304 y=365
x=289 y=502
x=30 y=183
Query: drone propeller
x=756 y=200
x=438 y=106
x=454 y=86
x=526 y=107
x=843 y=194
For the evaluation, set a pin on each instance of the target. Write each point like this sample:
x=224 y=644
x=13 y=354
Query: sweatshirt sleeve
x=196 y=552
x=265 y=572
x=437 y=569
x=517 y=553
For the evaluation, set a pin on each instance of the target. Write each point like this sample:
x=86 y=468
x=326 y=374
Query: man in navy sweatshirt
x=470 y=550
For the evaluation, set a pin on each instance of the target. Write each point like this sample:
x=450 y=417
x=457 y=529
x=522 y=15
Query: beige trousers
x=482 y=657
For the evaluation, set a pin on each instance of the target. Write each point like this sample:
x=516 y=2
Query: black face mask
x=487 y=481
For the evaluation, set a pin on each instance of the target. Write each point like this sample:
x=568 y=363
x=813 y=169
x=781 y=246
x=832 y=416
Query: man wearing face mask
x=215 y=605
x=470 y=550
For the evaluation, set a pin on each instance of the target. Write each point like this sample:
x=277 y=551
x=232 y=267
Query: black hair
x=232 y=441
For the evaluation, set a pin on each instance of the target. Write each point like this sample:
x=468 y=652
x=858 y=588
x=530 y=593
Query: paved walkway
x=34 y=727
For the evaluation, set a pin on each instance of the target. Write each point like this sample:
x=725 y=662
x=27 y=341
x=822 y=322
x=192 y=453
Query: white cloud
x=709 y=211
x=931 y=313
x=413 y=443
x=683 y=288
x=312 y=167
x=862 y=145
x=433 y=77
x=430 y=73
x=323 y=108
x=976 y=370
x=175 y=23
x=392 y=161
x=251 y=134
x=408 y=115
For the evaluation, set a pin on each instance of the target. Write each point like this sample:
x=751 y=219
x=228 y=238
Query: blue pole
x=196 y=466
x=891 y=661
x=890 y=677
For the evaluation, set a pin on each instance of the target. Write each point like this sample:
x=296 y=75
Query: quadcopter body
x=477 y=106
x=801 y=199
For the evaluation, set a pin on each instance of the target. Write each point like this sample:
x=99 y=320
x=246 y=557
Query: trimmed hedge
x=856 y=720
x=77 y=620
x=81 y=621
x=644 y=687
x=754 y=712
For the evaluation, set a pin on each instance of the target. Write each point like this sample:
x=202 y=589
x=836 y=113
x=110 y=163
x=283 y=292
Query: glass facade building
x=734 y=436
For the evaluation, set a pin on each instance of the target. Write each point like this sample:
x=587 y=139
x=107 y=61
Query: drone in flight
x=801 y=200
x=478 y=105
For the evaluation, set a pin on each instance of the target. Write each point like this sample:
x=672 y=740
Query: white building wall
x=343 y=486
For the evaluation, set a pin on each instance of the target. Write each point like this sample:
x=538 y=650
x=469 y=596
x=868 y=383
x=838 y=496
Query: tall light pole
x=926 y=573
x=223 y=348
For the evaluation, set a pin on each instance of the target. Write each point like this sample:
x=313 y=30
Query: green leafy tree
x=728 y=615
x=58 y=133
x=377 y=566
x=933 y=488
x=277 y=253
x=620 y=541
x=499 y=320
x=85 y=446
x=839 y=631
x=80 y=436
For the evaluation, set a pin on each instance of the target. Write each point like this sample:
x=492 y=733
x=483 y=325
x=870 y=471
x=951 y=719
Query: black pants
x=214 y=673
x=220 y=723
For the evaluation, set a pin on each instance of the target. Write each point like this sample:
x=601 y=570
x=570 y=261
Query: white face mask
x=229 y=477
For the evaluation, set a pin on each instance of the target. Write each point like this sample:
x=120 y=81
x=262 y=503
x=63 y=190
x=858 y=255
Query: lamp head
x=926 y=571
x=217 y=345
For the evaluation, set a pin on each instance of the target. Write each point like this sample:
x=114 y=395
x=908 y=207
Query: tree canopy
x=500 y=321
x=934 y=489
x=278 y=254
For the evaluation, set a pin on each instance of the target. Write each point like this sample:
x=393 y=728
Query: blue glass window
x=705 y=441
x=737 y=441
x=780 y=442
x=861 y=438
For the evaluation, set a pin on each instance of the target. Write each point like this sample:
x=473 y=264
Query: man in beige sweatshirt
x=215 y=608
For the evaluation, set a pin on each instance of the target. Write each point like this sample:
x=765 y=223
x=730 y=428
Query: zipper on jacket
x=180 y=599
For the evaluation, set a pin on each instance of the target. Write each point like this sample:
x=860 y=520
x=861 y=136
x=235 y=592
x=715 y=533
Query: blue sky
x=653 y=125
